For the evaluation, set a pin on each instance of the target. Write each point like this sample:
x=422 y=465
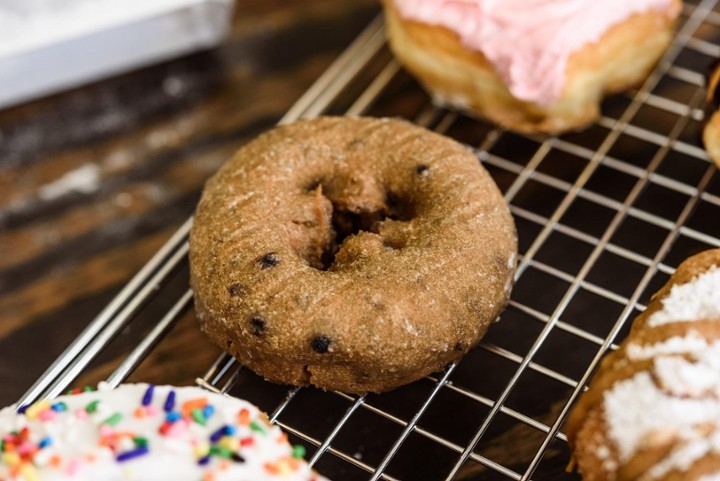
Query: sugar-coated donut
x=354 y=254
x=538 y=66
x=652 y=412
x=711 y=132
x=143 y=432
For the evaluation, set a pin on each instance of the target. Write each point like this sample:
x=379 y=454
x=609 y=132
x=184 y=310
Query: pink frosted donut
x=526 y=64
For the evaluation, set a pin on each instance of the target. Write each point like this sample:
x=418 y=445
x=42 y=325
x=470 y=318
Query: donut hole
x=336 y=208
x=346 y=223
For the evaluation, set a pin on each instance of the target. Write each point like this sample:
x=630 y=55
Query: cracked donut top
x=144 y=432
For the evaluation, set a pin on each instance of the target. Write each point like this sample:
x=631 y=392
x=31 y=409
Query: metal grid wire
x=604 y=216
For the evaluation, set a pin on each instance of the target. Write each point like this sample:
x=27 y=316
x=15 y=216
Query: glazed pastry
x=353 y=254
x=530 y=65
x=143 y=432
x=711 y=133
x=653 y=408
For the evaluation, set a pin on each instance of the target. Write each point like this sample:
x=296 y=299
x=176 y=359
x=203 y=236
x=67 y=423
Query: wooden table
x=93 y=181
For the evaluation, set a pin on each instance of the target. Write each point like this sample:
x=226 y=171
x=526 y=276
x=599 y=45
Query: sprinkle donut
x=353 y=254
x=143 y=432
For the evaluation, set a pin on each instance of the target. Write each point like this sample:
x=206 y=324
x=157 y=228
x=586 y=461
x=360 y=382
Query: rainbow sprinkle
x=222 y=434
x=148 y=396
x=92 y=406
x=114 y=420
x=128 y=455
x=170 y=402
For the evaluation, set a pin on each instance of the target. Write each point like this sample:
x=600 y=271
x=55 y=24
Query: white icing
x=691 y=343
x=679 y=377
x=697 y=299
x=637 y=409
x=678 y=400
x=711 y=477
x=77 y=441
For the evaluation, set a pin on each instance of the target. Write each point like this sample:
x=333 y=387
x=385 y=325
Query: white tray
x=51 y=45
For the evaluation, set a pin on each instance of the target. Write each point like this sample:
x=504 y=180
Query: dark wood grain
x=137 y=148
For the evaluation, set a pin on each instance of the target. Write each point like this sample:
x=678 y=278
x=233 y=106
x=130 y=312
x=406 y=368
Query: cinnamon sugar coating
x=353 y=254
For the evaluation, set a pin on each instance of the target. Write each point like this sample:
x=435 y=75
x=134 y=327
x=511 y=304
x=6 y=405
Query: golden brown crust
x=414 y=289
x=465 y=79
x=711 y=132
x=711 y=137
x=596 y=455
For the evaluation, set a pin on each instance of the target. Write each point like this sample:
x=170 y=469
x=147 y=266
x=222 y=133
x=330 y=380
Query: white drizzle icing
x=679 y=377
x=680 y=397
x=698 y=299
x=691 y=343
x=638 y=410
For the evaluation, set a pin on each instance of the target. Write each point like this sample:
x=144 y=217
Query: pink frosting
x=528 y=41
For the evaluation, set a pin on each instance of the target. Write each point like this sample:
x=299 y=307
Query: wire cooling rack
x=604 y=217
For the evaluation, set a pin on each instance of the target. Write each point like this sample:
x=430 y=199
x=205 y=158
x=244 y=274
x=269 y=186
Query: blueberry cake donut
x=529 y=65
x=652 y=412
x=144 y=432
x=711 y=132
x=353 y=254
